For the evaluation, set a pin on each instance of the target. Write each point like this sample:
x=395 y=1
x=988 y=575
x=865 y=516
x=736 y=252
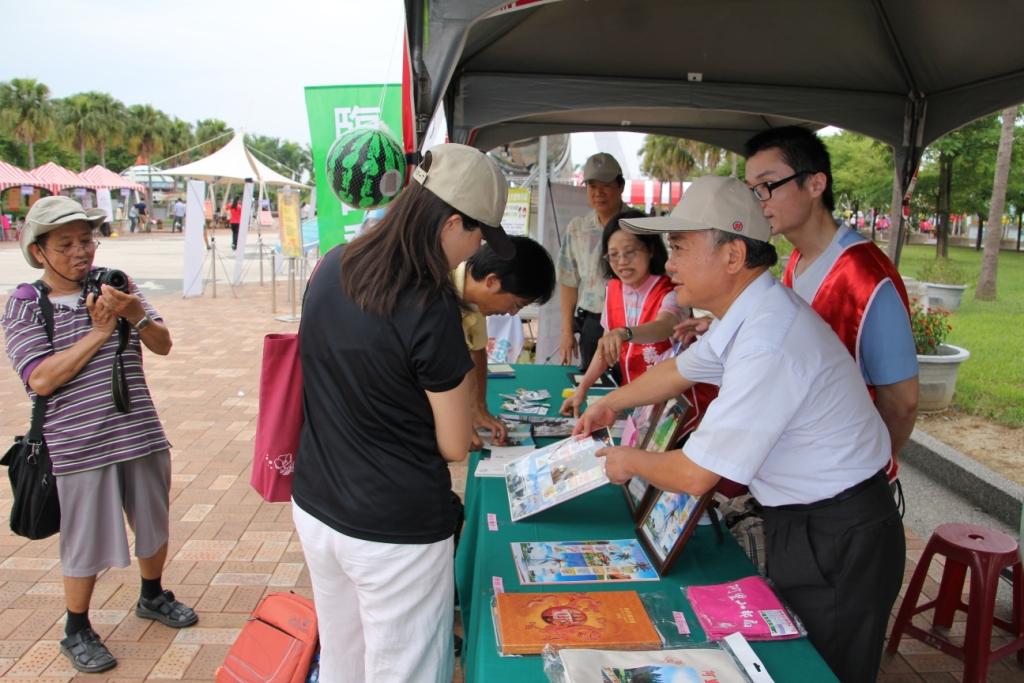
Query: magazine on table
x=526 y=622
x=556 y=473
x=690 y=665
x=544 y=562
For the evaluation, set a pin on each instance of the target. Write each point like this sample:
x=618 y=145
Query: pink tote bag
x=280 y=418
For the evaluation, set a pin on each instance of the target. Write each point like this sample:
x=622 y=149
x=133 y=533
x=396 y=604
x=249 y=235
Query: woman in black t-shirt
x=387 y=406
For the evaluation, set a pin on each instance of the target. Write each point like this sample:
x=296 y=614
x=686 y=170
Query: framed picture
x=638 y=427
x=604 y=381
x=667 y=425
x=667 y=523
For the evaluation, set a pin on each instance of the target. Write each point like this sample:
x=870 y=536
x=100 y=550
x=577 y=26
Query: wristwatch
x=629 y=333
x=143 y=323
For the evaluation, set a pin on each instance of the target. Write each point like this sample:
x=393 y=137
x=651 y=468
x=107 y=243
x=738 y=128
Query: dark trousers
x=234 y=235
x=588 y=325
x=839 y=565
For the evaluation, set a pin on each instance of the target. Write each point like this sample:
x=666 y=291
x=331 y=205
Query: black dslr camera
x=105 y=276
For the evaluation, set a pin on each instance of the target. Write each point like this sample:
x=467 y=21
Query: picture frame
x=666 y=525
x=637 y=491
x=667 y=426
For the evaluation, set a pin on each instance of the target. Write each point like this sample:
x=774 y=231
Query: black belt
x=583 y=313
x=838 y=498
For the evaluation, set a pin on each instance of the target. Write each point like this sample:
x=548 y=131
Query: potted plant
x=937 y=361
x=945 y=282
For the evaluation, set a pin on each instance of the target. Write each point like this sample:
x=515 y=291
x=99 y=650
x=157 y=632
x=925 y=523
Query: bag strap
x=35 y=430
x=118 y=379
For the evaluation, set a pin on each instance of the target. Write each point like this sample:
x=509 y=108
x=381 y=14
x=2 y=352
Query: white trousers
x=385 y=610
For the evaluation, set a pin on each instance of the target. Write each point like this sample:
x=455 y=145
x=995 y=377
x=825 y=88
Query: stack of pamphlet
x=614 y=666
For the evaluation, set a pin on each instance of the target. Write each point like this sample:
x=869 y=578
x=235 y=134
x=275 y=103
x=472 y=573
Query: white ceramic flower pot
x=937 y=377
x=946 y=297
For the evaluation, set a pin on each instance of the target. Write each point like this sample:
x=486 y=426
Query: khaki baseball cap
x=50 y=213
x=711 y=202
x=601 y=166
x=471 y=183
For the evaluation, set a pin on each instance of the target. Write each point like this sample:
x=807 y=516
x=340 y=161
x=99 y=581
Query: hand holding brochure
x=554 y=474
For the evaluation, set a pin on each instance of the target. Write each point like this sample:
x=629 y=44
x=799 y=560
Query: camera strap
x=118 y=380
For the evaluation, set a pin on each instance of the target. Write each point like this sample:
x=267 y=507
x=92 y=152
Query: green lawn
x=991 y=382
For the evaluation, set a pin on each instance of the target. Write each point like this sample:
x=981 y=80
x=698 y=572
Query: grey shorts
x=93 y=507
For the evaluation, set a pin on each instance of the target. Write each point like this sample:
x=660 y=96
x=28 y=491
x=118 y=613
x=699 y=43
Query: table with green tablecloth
x=484 y=555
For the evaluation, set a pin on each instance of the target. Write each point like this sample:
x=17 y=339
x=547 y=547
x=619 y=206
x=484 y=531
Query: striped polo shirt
x=83 y=430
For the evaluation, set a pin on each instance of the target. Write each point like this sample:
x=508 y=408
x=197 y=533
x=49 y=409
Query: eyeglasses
x=763 y=191
x=621 y=257
x=85 y=247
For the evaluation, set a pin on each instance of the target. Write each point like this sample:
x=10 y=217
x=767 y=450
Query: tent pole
x=542 y=187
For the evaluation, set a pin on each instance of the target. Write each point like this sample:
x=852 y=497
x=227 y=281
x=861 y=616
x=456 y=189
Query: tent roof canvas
x=55 y=178
x=12 y=176
x=232 y=163
x=108 y=179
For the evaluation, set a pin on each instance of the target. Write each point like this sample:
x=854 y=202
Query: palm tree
x=79 y=121
x=986 y=290
x=147 y=130
x=670 y=158
x=111 y=121
x=25 y=107
x=212 y=129
x=178 y=139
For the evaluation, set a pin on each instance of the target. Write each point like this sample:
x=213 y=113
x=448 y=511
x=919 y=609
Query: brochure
x=556 y=473
x=526 y=622
x=748 y=606
x=582 y=562
x=517 y=435
x=690 y=665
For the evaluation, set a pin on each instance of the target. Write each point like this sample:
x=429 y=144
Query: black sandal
x=87 y=652
x=168 y=611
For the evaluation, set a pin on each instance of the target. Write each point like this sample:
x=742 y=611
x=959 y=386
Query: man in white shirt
x=179 y=215
x=793 y=420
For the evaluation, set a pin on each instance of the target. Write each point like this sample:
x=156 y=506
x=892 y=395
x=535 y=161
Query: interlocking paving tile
x=240 y=579
x=205 y=663
x=197 y=512
x=286 y=574
x=6 y=663
x=13 y=649
x=271 y=551
x=35 y=661
x=37 y=563
x=244 y=599
x=245 y=550
x=174 y=662
x=207 y=550
x=205 y=636
x=267 y=536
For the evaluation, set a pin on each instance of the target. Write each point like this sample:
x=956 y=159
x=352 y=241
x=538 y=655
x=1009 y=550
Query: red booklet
x=526 y=622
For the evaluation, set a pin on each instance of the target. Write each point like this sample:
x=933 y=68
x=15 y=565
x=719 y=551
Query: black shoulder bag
x=35 y=513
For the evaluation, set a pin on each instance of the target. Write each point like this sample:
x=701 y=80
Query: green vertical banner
x=333 y=110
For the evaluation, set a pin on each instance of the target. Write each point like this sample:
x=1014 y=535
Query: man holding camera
x=109 y=461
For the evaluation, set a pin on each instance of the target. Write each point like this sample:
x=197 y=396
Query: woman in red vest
x=640 y=308
x=234 y=220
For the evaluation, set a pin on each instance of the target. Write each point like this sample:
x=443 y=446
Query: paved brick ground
x=227 y=548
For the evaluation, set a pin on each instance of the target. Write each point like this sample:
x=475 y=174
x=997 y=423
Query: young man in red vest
x=849 y=281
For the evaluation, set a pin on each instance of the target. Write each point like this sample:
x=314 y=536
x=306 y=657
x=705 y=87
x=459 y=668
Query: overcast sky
x=243 y=62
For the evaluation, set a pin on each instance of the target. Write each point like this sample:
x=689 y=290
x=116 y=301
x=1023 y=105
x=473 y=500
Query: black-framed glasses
x=763 y=191
x=69 y=249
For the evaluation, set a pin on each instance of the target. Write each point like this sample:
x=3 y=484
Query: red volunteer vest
x=636 y=359
x=846 y=292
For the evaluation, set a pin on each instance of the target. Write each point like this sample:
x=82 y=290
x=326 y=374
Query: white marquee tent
x=231 y=164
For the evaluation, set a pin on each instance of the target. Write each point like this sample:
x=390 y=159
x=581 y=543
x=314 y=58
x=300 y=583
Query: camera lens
x=116 y=279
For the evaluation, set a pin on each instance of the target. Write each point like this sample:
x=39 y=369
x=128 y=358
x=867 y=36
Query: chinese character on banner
x=347 y=118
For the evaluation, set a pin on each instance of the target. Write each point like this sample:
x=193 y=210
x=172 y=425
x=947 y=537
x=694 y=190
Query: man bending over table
x=793 y=420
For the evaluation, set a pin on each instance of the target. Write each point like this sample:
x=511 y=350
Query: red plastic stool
x=986 y=552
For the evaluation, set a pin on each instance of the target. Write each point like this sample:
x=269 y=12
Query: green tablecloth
x=601 y=514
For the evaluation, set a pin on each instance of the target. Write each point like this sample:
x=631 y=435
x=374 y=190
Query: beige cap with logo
x=602 y=167
x=711 y=202
x=50 y=213
x=471 y=183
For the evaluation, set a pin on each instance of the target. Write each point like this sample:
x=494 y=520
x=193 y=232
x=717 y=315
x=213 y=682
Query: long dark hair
x=653 y=243
x=401 y=252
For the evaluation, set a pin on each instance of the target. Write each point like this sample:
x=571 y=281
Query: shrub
x=942 y=271
x=930 y=327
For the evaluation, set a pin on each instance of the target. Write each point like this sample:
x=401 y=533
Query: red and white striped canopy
x=104 y=177
x=650 y=193
x=12 y=176
x=55 y=178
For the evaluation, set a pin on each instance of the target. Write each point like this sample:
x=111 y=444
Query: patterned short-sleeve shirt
x=83 y=429
x=579 y=261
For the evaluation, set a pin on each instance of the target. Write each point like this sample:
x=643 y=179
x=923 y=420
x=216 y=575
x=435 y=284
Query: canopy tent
x=902 y=71
x=231 y=164
x=106 y=178
x=54 y=177
x=651 y=192
x=12 y=176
